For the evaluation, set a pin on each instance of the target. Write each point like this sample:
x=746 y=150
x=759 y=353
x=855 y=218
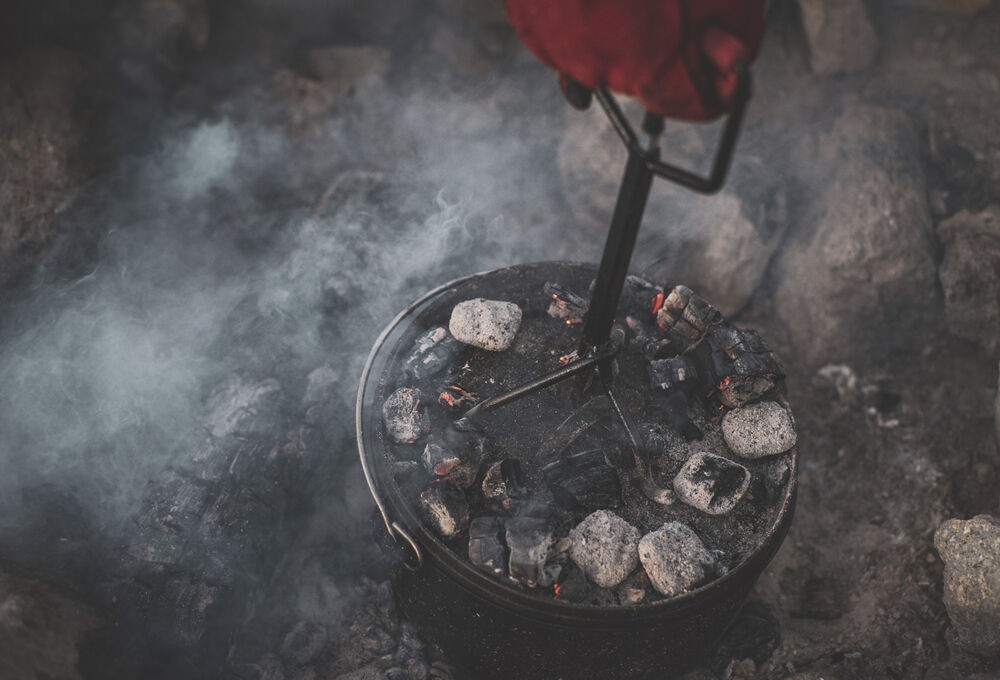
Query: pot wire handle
x=415 y=559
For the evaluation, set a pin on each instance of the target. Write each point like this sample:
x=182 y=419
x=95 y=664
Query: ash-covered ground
x=209 y=210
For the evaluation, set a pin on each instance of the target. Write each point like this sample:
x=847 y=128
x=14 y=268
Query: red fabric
x=675 y=56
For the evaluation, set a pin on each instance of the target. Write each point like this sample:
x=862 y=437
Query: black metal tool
x=597 y=346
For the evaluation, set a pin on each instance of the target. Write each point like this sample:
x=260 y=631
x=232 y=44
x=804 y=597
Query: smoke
x=236 y=247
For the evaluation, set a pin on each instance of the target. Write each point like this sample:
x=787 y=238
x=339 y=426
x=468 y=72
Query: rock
x=304 y=642
x=605 y=547
x=711 y=483
x=45 y=127
x=675 y=559
x=839 y=34
x=404 y=416
x=857 y=276
x=757 y=430
x=970 y=275
x=445 y=509
x=971 y=553
x=487 y=324
x=41 y=628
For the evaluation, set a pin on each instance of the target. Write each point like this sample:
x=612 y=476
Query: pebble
x=605 y=547
x=487 y=324
x=675 y=559
x=758 y=430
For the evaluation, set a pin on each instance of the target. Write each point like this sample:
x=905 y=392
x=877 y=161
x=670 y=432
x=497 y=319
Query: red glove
x=677 y=57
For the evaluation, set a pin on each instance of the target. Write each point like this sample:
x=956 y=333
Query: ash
x=209 y=211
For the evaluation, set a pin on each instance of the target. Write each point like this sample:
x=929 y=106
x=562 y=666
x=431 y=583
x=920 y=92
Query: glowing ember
x=656 y=303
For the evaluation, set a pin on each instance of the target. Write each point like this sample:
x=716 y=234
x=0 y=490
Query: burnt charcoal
x=455 y=454
x=676 y=412
x=674 y=373
x=574 y=586
x=405 y=416
x=642 y=293
x=685 y=317
x=745 y=368
x=556 y=563
x=486 y=544
x=503 y=480
x=675 y=559
x=583 y=482
x=432 y=352
x=529 y=540
x=565 y=304
x=445 y=508
x=712 y=484
x=768 y=486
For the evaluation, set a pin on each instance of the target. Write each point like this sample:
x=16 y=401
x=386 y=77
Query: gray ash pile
x=559 y=493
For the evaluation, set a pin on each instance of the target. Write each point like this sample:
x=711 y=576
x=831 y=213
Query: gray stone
x=605 y=547
x=839 y=34
x=970 y=275
x=675 y=559
x=757 y=430
x=971 y=553
x=487 y=324
x=711 y=483
x=857 y=276
x=404 y=415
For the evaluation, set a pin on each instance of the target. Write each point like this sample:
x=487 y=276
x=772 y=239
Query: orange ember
x=556 y=589
x=724 y=383
x=657 y=303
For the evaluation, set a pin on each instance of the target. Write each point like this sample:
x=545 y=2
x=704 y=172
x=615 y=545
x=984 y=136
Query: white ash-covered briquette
x=675 y=559
x=445 y=509
x=711 y=483
x=757 y=430
x=404 y=415
x=487 y=324
x=605 y=547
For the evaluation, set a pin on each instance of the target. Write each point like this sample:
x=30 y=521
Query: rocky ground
x=208 y=211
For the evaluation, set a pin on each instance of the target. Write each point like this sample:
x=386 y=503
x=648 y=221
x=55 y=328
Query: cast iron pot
x=490 y=629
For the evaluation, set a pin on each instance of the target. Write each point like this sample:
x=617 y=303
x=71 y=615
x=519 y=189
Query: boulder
x=839 y=35
x=971 y=553
x=856 y=277
x=970 y=275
